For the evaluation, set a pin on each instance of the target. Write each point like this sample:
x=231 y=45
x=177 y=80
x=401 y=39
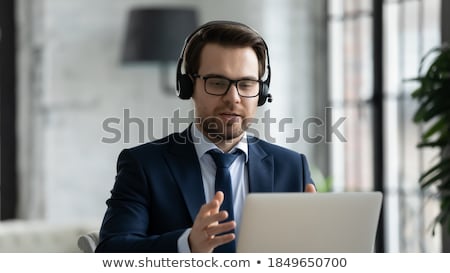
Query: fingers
x=208 y=228
x=218 y=197
x=211 y=218
x=208 y=238
x=215 y=229
x=310 y=188
x=213 y=206
x=216 y=241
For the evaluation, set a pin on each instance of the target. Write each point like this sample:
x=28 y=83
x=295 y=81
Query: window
x=7 y=111
x=410 y=28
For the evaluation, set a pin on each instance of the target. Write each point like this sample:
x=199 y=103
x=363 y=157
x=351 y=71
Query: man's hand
x=310 y=188
x=203 y=236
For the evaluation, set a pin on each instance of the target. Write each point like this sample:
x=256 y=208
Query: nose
x=233 y=94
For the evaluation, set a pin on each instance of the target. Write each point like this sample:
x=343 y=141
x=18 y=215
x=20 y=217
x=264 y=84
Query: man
x=166 y=197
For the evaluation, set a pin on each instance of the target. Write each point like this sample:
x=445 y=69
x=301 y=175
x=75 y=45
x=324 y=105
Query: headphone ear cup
x=263 y=93
x=185 y=87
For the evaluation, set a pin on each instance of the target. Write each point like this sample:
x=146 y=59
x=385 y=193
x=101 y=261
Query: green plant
x=433 y=96
x=323 y=184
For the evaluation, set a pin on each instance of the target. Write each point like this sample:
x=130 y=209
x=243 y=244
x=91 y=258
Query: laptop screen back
x=306 y=222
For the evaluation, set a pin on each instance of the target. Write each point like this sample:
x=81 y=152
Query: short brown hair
x=227 y=34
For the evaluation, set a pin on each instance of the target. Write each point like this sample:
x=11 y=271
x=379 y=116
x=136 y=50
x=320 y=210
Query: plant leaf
x=443 y=163
x=445 y=173
x=440 y=125
x=439 y=143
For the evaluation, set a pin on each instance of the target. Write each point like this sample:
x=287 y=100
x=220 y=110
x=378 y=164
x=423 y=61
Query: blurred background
x=77 y=87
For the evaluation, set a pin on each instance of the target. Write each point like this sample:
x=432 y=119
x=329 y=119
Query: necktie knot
x=223 y=160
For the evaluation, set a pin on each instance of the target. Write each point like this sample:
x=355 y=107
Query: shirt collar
x=203 y=145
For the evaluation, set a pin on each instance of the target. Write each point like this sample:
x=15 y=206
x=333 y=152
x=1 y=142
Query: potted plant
x=433 y=96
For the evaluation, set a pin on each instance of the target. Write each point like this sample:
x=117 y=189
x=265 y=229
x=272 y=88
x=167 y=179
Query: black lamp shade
x=157 y=34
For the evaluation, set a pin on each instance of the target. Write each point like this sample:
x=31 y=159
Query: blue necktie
x=223 y=184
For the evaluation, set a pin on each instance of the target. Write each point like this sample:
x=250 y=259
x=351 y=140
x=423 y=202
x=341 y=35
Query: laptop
x=309 y=222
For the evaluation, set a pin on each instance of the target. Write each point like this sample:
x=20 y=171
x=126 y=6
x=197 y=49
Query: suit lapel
x=260 y=168
x=185 y=167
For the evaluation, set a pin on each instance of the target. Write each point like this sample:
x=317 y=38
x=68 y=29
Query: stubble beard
x=217 y=130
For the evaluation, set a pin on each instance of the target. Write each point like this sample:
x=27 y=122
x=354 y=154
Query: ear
x=185 y=86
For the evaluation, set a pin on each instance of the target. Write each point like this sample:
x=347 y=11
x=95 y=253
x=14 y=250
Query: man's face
x=225 y=117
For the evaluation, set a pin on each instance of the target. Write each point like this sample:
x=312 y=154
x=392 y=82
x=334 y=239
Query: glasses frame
x=230 y=82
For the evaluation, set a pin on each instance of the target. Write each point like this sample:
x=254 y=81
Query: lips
x=230 y=116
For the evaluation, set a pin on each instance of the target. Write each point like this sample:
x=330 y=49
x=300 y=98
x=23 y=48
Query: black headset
x=185 y=86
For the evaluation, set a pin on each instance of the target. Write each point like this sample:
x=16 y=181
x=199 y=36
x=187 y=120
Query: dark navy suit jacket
x=159 y=190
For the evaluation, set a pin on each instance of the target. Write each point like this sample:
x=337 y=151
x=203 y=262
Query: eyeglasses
x=219 y=86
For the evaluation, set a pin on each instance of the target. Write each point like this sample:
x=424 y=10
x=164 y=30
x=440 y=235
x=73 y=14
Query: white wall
x=71 y=80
